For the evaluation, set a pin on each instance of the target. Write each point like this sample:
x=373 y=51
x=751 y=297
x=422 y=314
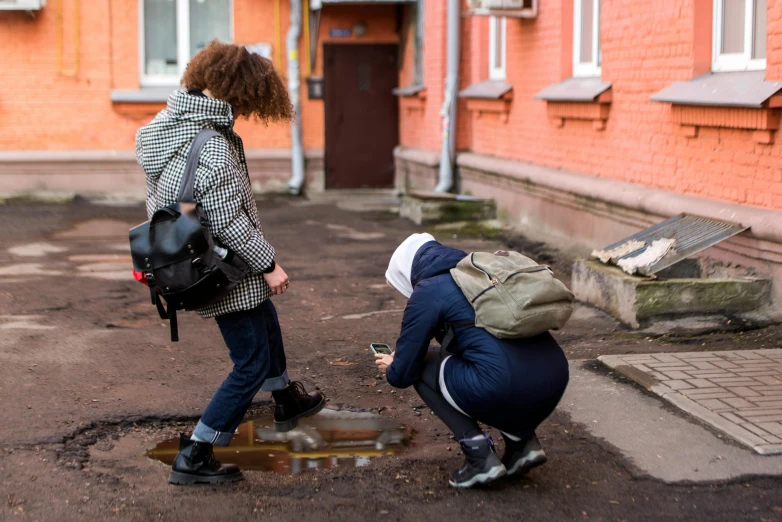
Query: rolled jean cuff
x=276 y=383
x=218 y=438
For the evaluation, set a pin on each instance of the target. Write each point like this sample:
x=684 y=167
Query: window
x=740 y=35
x=587 y=55
x=497 y=39
x=173 y=31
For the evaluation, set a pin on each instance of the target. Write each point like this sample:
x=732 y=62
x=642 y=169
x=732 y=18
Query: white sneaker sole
x=482 y=478
x=532 y=460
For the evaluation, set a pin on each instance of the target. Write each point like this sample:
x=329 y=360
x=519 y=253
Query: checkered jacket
x=222 y=186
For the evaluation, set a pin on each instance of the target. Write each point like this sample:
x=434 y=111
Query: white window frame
x=182 y=43
x=497 y=73
x=592 y=69
x=732 y=62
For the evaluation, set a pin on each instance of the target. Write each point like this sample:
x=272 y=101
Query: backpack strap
x=164 y=314
x=187 y=187
x=449 y=335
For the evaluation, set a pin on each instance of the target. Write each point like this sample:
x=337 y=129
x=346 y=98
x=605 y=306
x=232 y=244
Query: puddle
x=35 y=250
x=96 y=228
x=328 y=440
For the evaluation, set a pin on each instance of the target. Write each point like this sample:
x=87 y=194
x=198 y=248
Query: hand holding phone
x=380 y=348
x=383 y=355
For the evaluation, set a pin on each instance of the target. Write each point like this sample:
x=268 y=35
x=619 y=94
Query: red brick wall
x=41 y=109
x=646 y=46
x=774 y=41
x=422 y=129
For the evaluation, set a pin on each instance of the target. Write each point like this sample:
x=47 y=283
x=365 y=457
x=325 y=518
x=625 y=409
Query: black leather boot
x=293 y=403
x=196 y=464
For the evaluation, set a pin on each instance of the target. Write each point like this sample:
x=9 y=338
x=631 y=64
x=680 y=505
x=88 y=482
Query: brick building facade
x=585 y=119
x=653 y=120
x=76 y=87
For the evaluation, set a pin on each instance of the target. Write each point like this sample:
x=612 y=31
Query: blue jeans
x=254 y=342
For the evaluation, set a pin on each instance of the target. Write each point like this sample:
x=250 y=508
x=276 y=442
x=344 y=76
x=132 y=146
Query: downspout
x=448 y=111
x=294 y=88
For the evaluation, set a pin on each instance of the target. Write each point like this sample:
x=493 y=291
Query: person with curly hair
x=222 y=83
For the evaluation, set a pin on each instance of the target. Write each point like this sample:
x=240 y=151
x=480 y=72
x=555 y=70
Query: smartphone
x=380 y=348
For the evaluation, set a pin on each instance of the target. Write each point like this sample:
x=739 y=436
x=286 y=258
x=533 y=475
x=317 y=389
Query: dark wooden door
x=362 y=115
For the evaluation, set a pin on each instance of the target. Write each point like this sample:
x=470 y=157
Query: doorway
x=361 y=115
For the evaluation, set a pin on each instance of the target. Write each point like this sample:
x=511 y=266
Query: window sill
x=738 y=100
x=489 y=97
x=585 y=99
x=411 y=98
x=141 y=103
x=142 y=95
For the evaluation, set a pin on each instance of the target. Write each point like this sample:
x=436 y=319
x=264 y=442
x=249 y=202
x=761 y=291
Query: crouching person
x=509 y=384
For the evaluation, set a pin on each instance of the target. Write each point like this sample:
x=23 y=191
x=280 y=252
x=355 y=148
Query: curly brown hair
x=244 y=80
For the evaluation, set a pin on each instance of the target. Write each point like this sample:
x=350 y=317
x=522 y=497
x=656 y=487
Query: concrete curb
x=736 y=432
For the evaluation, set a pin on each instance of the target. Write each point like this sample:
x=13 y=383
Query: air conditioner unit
x=22 y=5
x=509 y=8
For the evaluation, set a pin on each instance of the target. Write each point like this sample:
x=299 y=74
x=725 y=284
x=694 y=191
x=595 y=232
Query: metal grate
x=692 y=234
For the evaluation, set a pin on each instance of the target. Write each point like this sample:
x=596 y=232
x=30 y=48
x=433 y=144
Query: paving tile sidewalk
x=737 y=392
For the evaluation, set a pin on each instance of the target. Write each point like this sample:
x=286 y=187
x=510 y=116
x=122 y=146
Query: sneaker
x=522 y=456
x=196 y=464
x=294 y=403
x=481 y=464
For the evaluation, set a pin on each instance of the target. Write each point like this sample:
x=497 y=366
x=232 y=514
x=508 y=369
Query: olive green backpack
x=513 y=296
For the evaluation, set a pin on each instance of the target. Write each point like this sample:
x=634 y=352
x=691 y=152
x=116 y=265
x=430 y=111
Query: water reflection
x=327 y=440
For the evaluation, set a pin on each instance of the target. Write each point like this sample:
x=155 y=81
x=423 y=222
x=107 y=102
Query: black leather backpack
x=176 y=253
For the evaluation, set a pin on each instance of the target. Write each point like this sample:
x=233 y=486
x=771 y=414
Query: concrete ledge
x=116 y=171
x=429 y=158
x=766 y=224
x=677 y=305
x=415 y=169
x=425 y=208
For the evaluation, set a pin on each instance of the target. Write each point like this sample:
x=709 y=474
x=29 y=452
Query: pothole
x=328 y=440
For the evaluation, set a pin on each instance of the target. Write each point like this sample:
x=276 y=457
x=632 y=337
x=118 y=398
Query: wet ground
x=90 y=383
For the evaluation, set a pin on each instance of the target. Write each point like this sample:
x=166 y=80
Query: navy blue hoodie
x=512 y=384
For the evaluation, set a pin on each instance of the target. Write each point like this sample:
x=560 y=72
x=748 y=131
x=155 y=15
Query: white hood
x=401 y=264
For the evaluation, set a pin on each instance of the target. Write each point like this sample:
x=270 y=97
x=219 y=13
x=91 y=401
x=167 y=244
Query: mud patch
x=371 y=314
x=96 y=229
x=328 y=440
x=35 y=250
x=22 y=322
x=346 y=232
x=27 y=269
x=101 y=258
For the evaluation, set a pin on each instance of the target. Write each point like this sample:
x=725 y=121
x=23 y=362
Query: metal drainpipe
x=450 y=102
x=294 y=88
